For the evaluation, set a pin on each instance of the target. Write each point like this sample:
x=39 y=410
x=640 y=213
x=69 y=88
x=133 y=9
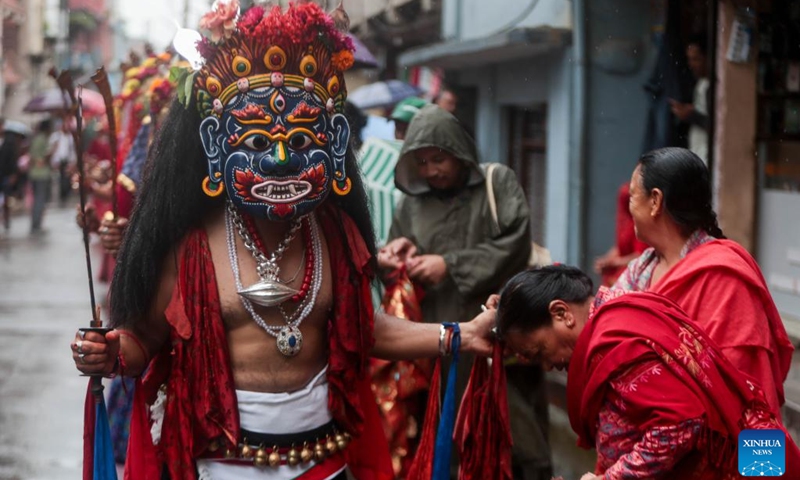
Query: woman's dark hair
x=684 y=180
x=170 y=202
x=525 y=299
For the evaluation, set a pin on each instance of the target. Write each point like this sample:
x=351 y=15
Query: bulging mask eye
x=299 y=141
x=257 y=142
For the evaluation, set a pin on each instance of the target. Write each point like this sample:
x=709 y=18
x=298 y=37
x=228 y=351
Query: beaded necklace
x=289 y=338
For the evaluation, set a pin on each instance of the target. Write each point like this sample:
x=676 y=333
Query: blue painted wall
x=616 y=110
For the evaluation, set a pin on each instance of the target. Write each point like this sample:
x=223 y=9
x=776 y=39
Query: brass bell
x=247 y=452
x=341 y=443
x=275 y=458
x=261 y=457
x=319 y=452
x=230 y=453
x=331 y=446
x=293 y=458
x=305 y=454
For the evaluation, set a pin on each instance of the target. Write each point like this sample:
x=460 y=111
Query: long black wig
x=170 y=203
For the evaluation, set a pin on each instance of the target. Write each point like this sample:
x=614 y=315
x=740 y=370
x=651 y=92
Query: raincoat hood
x=434 y=127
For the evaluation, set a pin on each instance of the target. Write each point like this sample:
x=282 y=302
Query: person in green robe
x=444 y=233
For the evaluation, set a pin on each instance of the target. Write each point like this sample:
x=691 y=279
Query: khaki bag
x=540 y=256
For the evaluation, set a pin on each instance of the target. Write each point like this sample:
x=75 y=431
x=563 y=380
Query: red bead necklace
x=309 y=254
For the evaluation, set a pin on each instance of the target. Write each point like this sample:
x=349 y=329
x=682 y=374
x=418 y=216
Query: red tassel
x=483 y=432
x=422 y=467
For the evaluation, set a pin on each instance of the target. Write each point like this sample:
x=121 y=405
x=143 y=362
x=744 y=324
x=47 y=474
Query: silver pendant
x=268 y=293
x=290 y=341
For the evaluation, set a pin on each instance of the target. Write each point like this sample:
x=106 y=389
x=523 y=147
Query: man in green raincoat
x=444 y=232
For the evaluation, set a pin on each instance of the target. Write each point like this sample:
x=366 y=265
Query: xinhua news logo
x=762 y=453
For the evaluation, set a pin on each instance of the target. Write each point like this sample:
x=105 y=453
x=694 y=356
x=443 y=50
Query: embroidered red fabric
x=401 y=387
x=633 y=328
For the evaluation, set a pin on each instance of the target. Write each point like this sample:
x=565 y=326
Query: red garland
x=300 y=24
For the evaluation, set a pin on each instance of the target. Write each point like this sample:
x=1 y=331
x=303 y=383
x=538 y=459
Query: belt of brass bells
x=262 y=455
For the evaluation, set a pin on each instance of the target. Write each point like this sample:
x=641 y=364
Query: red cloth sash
x=483 y=430
x=201 y=403
x=720 y=286
x=644 y=326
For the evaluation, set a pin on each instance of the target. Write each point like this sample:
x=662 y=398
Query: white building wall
x=469 y=19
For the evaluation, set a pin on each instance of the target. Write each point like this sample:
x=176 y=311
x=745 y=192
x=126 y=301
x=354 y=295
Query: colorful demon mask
x=272 y=92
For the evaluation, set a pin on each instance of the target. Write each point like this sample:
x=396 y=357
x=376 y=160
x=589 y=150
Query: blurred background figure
x=696 y=113
x=402 y=114
x=13 y=145
x=627 y=247
x=447 y=100
x=62 y=148
x=40 y=172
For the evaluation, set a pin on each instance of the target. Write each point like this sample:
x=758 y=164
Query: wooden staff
x=100 y=78
x=64 y=80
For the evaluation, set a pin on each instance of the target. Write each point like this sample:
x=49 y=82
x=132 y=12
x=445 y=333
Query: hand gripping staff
x=98 y=456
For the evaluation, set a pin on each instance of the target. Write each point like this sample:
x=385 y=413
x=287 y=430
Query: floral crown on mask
x=301 y=48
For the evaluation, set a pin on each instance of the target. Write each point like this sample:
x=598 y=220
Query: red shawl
x=483 y=430
x=720 y=286
x=201 y=402
x=644 y=326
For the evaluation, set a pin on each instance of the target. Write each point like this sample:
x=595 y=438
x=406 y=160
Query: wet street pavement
x=43 y=300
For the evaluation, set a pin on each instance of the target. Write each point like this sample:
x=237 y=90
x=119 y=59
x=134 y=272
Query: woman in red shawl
x=646 y=386
x=714 y=280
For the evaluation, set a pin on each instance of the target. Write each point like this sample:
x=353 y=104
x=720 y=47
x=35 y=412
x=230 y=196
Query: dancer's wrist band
x=446 y=338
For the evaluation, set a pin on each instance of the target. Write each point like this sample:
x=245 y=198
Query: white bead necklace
x=289 y=338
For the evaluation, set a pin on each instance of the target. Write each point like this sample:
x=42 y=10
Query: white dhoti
x=275 y=414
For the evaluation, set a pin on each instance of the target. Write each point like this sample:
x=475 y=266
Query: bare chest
x=256 y=361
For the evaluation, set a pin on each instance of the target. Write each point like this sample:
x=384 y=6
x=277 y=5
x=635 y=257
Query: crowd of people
x=244 y=263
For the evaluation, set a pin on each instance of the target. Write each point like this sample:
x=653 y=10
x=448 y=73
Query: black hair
x=525 y=299
x=684 y=181
x=45 y=126
x=444 y=88
x=170 y=203
x=700 y=40
x=358 y=120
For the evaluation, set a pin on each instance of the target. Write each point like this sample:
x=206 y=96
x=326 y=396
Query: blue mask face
x=276 y=150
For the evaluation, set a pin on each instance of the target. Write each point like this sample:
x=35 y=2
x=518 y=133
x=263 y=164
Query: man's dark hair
x=170 y=203
x=525 y=299
x=442 y=90
x=700 y=40
x=684 y=180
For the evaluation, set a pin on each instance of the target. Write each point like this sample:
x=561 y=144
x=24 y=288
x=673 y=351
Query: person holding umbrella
x=14 y=134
